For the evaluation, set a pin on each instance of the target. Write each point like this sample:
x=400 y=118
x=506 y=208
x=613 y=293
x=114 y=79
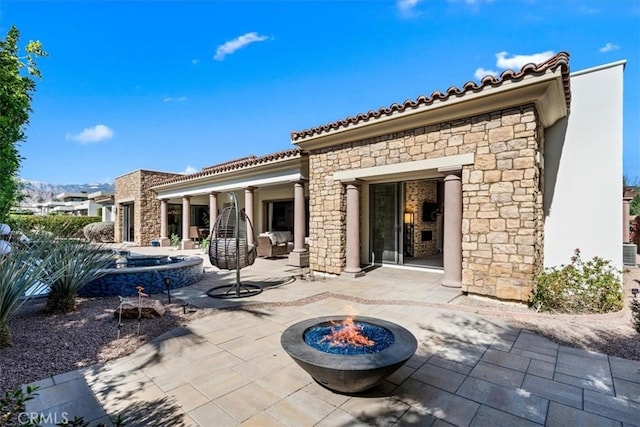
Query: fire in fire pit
x=348 y=355
x=348 y=337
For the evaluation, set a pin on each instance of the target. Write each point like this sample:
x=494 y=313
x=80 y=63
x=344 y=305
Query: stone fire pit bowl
x=347 y=373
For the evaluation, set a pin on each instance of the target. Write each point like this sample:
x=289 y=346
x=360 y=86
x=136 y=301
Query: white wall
x=583 y=171
x=108 y=213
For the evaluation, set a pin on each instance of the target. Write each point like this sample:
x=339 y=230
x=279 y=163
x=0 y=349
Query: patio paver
x=229 y=368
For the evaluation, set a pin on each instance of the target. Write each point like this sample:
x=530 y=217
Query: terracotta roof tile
x=628 y=192
x=236 y=164
x=559 y=60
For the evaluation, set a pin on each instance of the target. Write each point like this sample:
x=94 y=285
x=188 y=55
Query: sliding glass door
x=128 y=223
x=385 y=223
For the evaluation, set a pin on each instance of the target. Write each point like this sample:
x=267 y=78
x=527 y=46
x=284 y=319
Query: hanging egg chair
x=230 y=249
x=229 y=246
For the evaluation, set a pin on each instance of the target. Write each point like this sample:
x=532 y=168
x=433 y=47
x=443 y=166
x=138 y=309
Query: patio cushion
x=281 y=237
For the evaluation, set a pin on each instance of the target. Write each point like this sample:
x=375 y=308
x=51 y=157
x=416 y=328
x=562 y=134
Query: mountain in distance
x=41 y=192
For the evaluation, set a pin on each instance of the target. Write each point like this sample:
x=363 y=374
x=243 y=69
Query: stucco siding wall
x=583 y=171
x=279 y=192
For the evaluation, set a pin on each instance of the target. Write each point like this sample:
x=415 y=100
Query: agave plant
x=73 y=263
x=21 y=270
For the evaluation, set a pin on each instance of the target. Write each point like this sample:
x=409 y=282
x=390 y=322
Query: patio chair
x=229 y=249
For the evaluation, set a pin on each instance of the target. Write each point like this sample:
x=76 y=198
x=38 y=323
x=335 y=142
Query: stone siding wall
x=502 y=200
x=125 y=187
x=502 y=207
x=137 y=185
x=416 y=193
x=327 y=213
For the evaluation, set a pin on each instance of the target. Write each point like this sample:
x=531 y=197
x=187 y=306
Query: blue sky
x=177 y=86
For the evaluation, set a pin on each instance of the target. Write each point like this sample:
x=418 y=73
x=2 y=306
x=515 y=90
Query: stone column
x=353 y=230
x=186 y=222
x=626 y=216
x=299 y=257
x=164 y=222
x=452 y=232
x=248 y=209
x=213 y=209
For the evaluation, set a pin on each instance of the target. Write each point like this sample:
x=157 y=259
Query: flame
x=347 y=333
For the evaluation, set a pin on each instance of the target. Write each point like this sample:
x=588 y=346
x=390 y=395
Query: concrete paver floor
x=229 y=369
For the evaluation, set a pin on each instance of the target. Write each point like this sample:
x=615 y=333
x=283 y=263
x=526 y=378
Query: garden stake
x=120 y=315
x=140 y=295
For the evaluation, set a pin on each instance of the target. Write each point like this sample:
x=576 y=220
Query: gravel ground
x=45 y=345
x=611 y=333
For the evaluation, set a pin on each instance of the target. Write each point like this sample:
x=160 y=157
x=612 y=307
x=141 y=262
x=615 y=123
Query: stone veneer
x=501 y=195
x=135 y=187
x=415 y=194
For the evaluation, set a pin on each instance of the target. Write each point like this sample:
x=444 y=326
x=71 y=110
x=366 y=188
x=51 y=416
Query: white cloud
x=505 y=61
x=518 y=61
x=95 y=134
x=195 y=61
x=609 y=47
x=174 y=99
x=189 y=170
x=406 y=7
x=481 y=72
x=238 y=43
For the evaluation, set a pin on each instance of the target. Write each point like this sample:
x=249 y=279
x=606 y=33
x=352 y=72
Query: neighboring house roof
x=561 y=60
x=233 y=165
x=101 y=196
x=628 y=193
x=64 y=196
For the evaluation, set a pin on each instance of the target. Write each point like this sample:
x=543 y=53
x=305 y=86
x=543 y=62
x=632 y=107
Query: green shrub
x=13 y=412
x=593 y=286
x=21 y=270
x=77 y=263
x=58 y=225
x=100 y=232
x=13 y=407
x=175 y=240
x=635 y=313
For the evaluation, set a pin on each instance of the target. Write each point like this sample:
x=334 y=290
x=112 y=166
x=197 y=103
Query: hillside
x=38 y=192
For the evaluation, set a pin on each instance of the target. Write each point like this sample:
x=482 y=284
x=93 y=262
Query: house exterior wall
x=280 y=192
x=417 y=192
x=136 y=187
x=108 y=213
x=583 y=171
x=502 y=201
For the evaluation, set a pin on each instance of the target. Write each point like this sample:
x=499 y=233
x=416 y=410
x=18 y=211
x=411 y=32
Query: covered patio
x=270 y=189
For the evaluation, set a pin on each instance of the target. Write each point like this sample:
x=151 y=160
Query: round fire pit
x=341 y=367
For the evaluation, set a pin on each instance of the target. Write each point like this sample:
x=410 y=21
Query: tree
x=634 y=206
x=17 y=85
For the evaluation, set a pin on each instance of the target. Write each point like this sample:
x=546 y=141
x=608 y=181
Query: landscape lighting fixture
x=167 y=284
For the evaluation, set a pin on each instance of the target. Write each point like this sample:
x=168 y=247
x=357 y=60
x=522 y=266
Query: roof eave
x=545 y=91
x=271 y=165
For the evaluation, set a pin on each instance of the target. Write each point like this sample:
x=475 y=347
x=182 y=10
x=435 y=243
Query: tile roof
x=236 y=164
x=628 y=192
x=560 y=60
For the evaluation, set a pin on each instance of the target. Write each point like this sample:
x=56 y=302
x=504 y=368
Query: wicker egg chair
x=229 y=246
x=229 y=249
